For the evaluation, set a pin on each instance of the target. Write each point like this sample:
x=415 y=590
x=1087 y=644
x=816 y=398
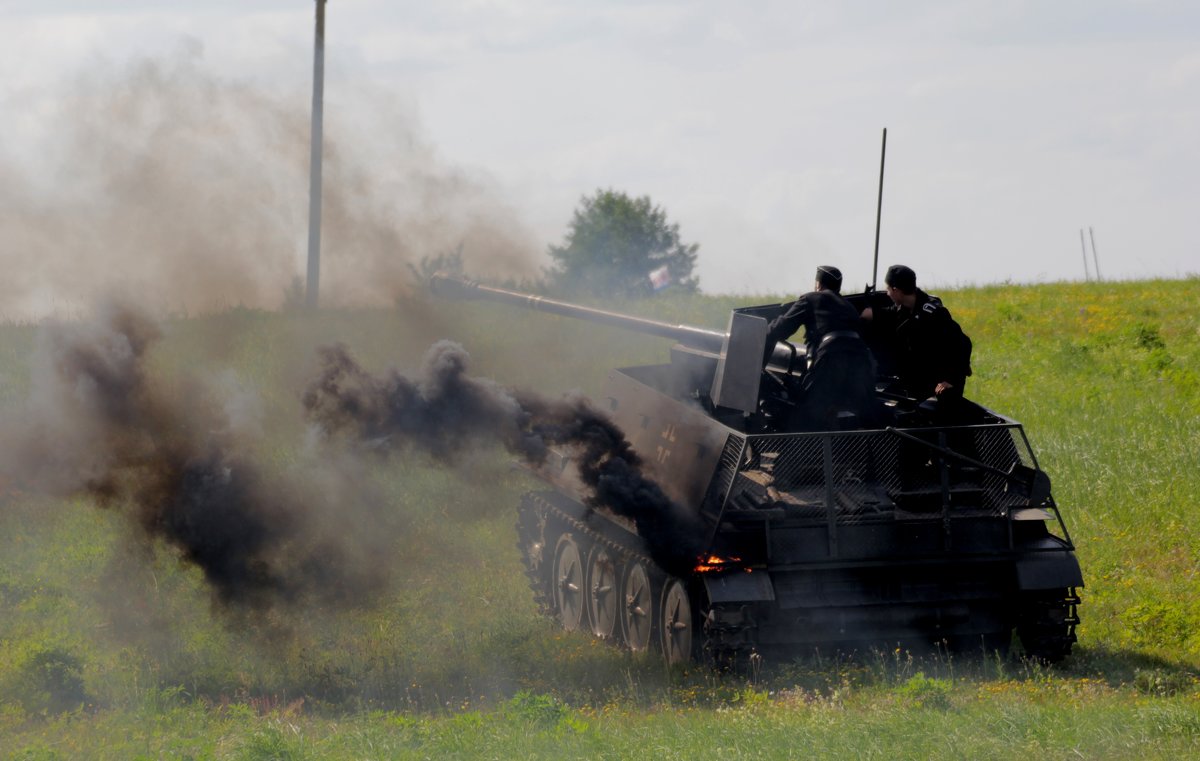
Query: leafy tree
x=615 y=242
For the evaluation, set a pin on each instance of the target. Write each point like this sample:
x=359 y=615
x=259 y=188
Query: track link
x=1046 y=624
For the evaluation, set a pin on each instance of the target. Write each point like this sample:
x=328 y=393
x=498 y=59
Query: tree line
x=615 y=245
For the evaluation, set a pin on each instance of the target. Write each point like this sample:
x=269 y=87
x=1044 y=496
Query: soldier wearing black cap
x=841 y=373
x=932 y=355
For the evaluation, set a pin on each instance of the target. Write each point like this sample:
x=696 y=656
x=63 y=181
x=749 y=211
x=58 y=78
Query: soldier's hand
x=942 y=387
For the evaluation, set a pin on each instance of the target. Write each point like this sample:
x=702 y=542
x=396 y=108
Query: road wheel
x=602 y=592
x=677 y=622
x=569 y=598
x=637 y=610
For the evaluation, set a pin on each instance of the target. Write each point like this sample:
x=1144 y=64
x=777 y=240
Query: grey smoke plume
x=446 y=411
x=159 y=180
x=99 y=426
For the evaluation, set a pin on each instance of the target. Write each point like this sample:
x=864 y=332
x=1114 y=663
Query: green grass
x=996 y=720
x=111 y=648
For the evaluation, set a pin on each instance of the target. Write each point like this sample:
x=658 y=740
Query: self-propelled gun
x=896 y=529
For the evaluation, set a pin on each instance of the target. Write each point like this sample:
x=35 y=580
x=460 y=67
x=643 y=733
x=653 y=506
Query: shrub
x=536 y=709
x=48 y=680
x=272 y=744
x=1163 y=683
x=924 y=692
x=1147 y=337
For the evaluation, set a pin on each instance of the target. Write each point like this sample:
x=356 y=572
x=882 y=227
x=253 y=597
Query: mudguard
x=1057 y=569
x=739 y=587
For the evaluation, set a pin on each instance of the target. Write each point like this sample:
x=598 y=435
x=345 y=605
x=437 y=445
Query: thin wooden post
x=1095 y=260
x=314 y=166
x=1083 y=245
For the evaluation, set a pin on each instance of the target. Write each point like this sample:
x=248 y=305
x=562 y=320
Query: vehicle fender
x=1057 y=569
x=744 y=586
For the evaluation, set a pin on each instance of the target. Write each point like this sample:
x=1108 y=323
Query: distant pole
x=1095 y=261
x=1083 y=244
x=314 y=164
x=879 y=210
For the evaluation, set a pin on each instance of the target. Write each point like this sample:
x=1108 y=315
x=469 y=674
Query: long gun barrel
x=785 y=356
x=697 y=338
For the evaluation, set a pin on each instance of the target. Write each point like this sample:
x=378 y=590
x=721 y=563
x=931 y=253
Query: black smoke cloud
x=99 y=426
x=182 y=466
x=445 y=412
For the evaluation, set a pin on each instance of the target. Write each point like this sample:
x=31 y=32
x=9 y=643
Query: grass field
x=112 y=647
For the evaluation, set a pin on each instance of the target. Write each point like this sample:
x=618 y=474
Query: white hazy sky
x=1012 y=124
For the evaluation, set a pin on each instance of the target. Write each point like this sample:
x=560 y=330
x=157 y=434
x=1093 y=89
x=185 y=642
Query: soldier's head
x=829 y=278
x=901 y=281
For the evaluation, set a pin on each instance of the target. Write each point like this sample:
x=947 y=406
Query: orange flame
x=713 y=563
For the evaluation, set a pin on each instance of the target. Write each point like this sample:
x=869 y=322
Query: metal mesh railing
x=722 y=482
x=863 y=475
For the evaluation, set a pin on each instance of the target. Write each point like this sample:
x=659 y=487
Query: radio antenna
x=879 y=210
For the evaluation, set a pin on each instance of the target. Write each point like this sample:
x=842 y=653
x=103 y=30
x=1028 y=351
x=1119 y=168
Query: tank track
x=1046 y=624
x=729 y=642
x=543 y=518
x=537 y=514
x=539 y=522
x=531 y=541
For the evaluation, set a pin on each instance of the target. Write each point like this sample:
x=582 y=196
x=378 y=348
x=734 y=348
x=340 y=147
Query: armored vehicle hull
x=910 y=531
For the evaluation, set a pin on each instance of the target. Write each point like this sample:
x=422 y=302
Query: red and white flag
x=660 y=278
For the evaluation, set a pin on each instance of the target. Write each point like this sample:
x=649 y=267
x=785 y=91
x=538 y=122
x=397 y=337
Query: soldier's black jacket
x=928 y=346
x=841 y=372
x=820 y=312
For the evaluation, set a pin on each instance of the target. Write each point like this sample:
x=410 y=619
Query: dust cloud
x=187 y=193
x=156 y=188
x=180 y=463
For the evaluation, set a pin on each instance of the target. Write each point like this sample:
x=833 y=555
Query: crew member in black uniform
x=930 y=353
x=841 y=371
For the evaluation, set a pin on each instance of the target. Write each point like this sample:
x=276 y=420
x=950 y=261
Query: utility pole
x=1083 y=245
x=314 y=165
x=1094 y=259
